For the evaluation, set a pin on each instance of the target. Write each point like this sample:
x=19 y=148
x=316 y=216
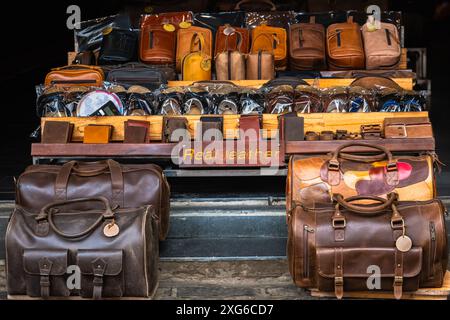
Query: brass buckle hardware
x=392 y=166
x=397 y=223
x=339 y=281
x=398 y=280
x=333 y=165
x=339 y=223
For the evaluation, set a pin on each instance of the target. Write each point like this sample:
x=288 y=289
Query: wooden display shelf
x=316 y=122
x=421 y=294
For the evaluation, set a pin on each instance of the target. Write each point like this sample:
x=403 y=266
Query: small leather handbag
x=278 y=43
x=232 y=38
x=196 y=65
x=382 y=47
x=344 y=46
x=185 y=46
x=307 y=46
x=75 y=75
x=261 y=63
x=230 y=64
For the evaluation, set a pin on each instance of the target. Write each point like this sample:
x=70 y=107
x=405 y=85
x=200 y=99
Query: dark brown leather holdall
x=337 y=247
x=116 y=251
x=126 y=186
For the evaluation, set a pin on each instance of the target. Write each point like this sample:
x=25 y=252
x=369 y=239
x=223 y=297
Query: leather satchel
x=95 y=133
x=126 y=186
x=115 y=249
x=382 y=47
x=314 y=179
x=261 y=65
x=334 y=247
x=277 y=44
x=187 y=42
x=307 y=46
x=196 y=65
x=57 y=132
x=75 y=75
x=118 y=46
x=232 y=38
x=230 y=64
x=415 y=127
x=158 y=36
x=344 y=46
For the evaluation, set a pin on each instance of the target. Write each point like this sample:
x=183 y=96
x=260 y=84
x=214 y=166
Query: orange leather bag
x=184 y=41
x=196 y=65
x=260 y=63
x=75 y=75
x=231 y=38
x=278 y=43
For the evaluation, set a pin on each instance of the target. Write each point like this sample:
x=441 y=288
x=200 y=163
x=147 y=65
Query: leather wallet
x=97 y=133
x=208 y=123
x=172 y=124
x=413 y=127
x=371 y=131
x=137 y=131
x=292 y=127
x=250 y=122
x=57 y=132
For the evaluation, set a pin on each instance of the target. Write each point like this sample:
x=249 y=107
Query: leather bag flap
x=357 y=261
x=87 y=260
x=34 y=259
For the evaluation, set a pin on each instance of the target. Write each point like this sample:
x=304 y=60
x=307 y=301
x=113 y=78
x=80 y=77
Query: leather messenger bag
x=116 y=251
x=334 y=247
x=314 y=179
x=126 y=186
x=344 y=46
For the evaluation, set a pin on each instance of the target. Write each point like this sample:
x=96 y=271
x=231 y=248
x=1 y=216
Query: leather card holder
x=57 y=132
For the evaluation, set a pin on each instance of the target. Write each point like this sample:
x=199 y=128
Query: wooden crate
x=421 y=294
x=313 y=122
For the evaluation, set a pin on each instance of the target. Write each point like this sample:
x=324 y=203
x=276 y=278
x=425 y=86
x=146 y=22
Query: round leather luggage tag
x=169 y=27
x=185 y=24
x=206 y=64
x=111 y=230
x=403 y=243
x=228 y=31
x=107 y=31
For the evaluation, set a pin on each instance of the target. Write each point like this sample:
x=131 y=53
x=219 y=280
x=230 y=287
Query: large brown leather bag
x=126 y=186
x=338 y=246
x=158 y=36
x=185 y=38
x=344 y=46
x=382 y=47
x=315 y=179
x=307 y=46
x=116 y=251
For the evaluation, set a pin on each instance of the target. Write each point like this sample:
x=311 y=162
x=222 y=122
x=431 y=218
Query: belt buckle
x=333 y=165
x=339 y=281
x=339 y=223
x=398 y=280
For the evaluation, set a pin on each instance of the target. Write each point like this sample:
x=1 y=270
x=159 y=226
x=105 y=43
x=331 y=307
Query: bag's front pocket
x=45 y=272
x=101 y=273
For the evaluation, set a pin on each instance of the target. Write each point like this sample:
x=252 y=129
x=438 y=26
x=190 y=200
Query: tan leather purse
x=261 y=64
x=75 y=75
x=278 y=43
x=382 y=47
x=196 y=65
x=230 y=64
x=345 y=46
x=184 y=41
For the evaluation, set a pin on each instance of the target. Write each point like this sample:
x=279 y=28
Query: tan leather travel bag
x=126 y=186
x=115 y=249
x=388 y=245
x=75 y=75
x=260 y=65
x=314 y=180
x=307 y=46
x=185 y=39
x=382 y=47
x=344 y=46
x=230 y=64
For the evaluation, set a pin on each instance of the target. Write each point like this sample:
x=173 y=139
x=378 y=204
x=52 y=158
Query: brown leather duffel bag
x=344 y=46
x=116 y=252
x=315 y=179
x=387 y=245
x=126 y=186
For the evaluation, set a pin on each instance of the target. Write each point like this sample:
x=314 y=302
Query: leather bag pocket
x=360 y=265
x=101 y=273
x=45 y=272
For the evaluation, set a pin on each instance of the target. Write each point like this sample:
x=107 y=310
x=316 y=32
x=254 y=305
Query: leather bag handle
x=385 y=204
x=334 y=174
x=238 y=43
x=273 y=7
x=117 y=183
x=47 y=214
x=197 y=37
x=269 y=38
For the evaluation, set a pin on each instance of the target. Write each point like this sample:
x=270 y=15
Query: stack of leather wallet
x=57 y=132
x=137 y=131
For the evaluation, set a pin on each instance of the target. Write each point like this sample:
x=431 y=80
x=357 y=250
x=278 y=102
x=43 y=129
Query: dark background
x=35 y=39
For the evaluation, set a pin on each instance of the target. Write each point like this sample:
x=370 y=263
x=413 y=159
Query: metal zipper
x=306 y=231
x=432 y=250
x=388 y=37
x=338 y=36
x=259 y=64
x=300 y=36
x=73 y=81
x=151 y=39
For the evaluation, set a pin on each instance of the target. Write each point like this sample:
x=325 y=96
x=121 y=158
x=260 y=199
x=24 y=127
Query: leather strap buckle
x=398 y=281
x=397 y=223
x=339 y=223
x=338 y=281
x=403 y=133
x=333 y=165
x=392 y=166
